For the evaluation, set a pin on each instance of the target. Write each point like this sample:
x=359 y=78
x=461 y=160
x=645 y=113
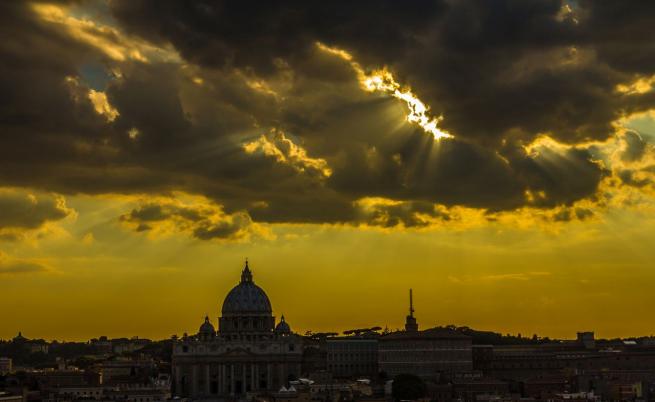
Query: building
x=248 y=354
x=123 y=346
x=101 y=346
x=469 y=389
x=587 y=339
x=122 y=371
x=4 y=397
x=38 y=346
x=352 y=356
x=74 y=393
x=33 y=345
x=427 y=354
x=52 y=380
x=5 y=365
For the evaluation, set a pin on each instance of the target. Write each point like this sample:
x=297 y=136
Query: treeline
x=495 y=338
x=79 y=354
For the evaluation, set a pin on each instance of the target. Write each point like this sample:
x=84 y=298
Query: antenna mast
x=411 y=304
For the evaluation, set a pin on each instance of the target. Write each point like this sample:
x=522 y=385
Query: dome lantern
x=246 y=275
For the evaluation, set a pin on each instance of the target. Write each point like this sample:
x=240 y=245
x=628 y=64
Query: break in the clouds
x=261 y=109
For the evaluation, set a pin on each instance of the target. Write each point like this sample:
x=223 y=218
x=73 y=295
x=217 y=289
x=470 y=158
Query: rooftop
x=432 y=333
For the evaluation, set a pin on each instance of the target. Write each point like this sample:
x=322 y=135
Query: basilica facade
x=249 y=354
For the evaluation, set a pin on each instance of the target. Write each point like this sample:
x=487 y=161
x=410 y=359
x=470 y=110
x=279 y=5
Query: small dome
x=207 y=328
x=246 y=297
x=282 y=327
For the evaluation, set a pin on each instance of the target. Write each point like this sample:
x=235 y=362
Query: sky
x=497 y=157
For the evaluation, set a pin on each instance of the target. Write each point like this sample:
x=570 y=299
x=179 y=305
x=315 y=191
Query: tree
x=407 y=387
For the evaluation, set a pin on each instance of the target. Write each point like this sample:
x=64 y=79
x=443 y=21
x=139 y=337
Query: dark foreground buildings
x=426 y=354
x=250 y=356
x=253 y=356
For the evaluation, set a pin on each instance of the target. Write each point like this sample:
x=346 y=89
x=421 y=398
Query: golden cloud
x=109 y=40
x=283 y=150
x=194 y=216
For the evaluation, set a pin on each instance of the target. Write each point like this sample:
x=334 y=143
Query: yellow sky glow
x=154 y=261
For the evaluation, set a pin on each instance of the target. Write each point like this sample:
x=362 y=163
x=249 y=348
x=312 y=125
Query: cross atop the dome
x=246 y=275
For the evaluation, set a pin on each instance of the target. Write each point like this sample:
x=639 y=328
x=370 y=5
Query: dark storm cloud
x=489 y=66
x=259 y=120
x=48 y=125
x=556 y=176
x=254 y=34
x=622 y=33
x=496 y=69
x=451 y=173
x=500 y=66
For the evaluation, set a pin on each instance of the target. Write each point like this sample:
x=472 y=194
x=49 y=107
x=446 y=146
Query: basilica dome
x=283 y=327
x=246 y=298
x=207 y=328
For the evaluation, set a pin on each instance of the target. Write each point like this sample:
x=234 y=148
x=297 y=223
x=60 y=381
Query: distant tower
x=410 y=321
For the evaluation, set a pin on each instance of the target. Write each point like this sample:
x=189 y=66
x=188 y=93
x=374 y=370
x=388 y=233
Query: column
x=207 y=389
x=194 y=380
x=221 y=379
x=244 y=385
x=231 y=379
x=218 y=378
x=269 y=385
x=252 y=377
x=176 y=377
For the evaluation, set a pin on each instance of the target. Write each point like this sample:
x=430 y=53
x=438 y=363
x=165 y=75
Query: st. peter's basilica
x=248 y=354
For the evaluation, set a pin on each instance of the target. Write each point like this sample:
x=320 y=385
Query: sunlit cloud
x=383 y=81
x=102 y=106
x=80 y=93
x=639 y=86
x=420 y=216
x=283 y=150
x=514 y=276
x=566 y=12
x=387 y=213
x=192 y=216
x=107 y=39
x=133 y=133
